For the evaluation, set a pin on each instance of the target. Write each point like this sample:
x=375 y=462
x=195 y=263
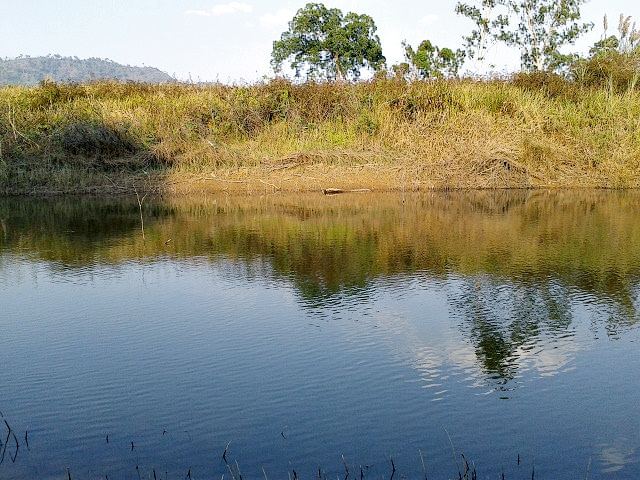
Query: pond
x=362 y=334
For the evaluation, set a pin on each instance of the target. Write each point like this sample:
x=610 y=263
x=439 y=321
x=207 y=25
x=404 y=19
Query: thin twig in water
x=6 y=442
x=466 y=466
x=231 y=472
x=13 y=459
x=346 y=468
x=424 y=468
x=140 y=202
x=393 y=469
x=586 y=477
x=224 y=454
x=453 y=451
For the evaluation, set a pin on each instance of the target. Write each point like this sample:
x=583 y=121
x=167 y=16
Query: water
x=304 y=328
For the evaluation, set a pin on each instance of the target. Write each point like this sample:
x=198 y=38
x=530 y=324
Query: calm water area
x=307 y=332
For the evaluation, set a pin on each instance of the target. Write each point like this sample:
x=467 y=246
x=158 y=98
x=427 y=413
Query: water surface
x=305 y=328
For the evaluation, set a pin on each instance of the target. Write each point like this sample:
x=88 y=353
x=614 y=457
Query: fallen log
x=336 y=191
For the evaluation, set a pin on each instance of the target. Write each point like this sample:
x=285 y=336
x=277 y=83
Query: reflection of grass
x=588 y=239
x=381 y=134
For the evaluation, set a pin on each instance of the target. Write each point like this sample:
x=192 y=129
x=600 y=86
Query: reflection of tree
x=503 y=318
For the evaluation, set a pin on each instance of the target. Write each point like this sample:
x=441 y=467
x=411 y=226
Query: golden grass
x=384 y=135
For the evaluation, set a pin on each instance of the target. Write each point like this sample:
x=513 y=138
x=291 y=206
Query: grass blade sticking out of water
x=346 y=468
x=424 y=468
x=453 y=451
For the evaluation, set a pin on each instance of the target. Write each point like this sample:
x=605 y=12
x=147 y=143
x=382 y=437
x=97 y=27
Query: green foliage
x=325 y=43
x=430 y=61
x=540 y=29
x=488 y=22
x=543 y=27
x=33 y=70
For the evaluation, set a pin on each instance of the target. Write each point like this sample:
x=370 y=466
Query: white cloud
x=222 y=9
x=199 y=13
x=278 y=19
x=429 y=19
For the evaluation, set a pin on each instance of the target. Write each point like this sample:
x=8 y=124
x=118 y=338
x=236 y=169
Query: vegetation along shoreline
x=564 y=121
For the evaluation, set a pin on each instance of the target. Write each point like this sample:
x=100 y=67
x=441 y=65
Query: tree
x=488 y=21
x=539 y=28
x=430 y=61
x=326 y=43
x=543 y=28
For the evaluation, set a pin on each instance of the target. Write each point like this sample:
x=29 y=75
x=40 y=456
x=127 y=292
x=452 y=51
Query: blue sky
x=227 y=40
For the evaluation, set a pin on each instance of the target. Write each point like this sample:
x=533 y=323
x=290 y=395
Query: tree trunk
x=339 y=73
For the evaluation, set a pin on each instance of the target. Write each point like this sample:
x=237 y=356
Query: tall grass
x=382 y=134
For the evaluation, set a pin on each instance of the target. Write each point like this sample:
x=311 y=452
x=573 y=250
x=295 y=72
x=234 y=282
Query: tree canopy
x=489 y=17
x=325 y=43
x=539 y=28
x=431 y=61
x=543 y=28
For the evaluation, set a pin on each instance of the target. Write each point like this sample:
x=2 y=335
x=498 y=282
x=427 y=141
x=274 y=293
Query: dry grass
x=383 y=135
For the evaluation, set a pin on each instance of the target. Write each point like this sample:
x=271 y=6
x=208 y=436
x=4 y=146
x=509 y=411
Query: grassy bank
x=384 y=134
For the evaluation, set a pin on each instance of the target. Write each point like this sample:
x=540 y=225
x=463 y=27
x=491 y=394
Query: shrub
x=549 y=83
x=618 y=71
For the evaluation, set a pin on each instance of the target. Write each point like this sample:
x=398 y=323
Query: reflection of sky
x=423 y=331
x=416 y=317
x=346 y=364
x=616 y=456
x=419 y=329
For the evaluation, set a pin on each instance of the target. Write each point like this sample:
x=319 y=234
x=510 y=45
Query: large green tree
x=325 y=43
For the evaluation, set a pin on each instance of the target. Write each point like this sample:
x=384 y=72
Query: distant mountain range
x=32 y=70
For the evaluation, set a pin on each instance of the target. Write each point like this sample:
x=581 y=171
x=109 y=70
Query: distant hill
x=32 y=70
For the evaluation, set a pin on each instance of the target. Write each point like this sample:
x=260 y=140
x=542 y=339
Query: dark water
x=301 y=329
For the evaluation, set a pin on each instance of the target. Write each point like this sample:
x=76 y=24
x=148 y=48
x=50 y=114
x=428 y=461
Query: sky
x=230 y=41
